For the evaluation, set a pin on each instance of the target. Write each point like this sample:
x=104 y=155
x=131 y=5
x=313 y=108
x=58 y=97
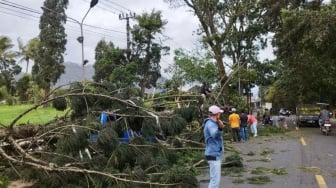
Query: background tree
x=147 y=48
x=48 y=65
x=305 y=49
x=24 y=88
x=230 y=29
x=142 y=66
x=29 y=51
x=8 y=66
x=110 y=61
x=195 y=67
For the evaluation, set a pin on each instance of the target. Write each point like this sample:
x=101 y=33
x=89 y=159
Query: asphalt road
x=307 y=156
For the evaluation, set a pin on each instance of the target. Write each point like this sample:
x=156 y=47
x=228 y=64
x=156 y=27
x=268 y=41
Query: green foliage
x=258 y=180
x=73 y=139
x=107 y=141
x=174 y=125
x=102 y=97
x=10 y=100
x=60 y=104
x=189 y=158
x=29 y=51
x=8 y=66
x=233 y=160
x=181 y=175
x=304 y=51
x=225 y=36
x=191 y=68
x=53 y=179
x=148 y=52
x=278 y=171
x=48 y=65
x=3 y=93
x=23 y=88
x=138 y=66
x=123 y=156
x=109 y=62
x=4 y=181
x=189 y=114
x=258 y=171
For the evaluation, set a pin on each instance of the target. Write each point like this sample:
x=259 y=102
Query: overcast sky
x=20 y=18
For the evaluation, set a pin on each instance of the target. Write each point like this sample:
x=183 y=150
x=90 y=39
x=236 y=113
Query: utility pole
x=128 y=28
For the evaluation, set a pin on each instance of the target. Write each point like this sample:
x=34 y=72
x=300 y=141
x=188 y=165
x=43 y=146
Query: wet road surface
x=307 y=156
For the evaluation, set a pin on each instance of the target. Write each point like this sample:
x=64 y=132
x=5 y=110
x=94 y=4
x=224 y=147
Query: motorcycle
x=267 y=121
x=326 y=127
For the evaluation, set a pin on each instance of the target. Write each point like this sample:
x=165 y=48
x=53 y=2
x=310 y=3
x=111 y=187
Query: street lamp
x=80 y=39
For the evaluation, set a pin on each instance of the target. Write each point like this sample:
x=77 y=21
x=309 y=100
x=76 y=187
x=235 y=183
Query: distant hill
x=73 y=73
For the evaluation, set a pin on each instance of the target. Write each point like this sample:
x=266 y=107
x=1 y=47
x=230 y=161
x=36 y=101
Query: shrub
x=60 y=104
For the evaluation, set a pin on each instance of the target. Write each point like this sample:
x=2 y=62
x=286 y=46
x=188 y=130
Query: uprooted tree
x=80 y=149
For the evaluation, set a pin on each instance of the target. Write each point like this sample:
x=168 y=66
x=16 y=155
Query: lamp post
x=80 y=39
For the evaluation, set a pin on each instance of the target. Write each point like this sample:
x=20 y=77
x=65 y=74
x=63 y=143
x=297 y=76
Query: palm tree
x=8 y=67
x=29 y=51
x=5 y=45
x=6 y=55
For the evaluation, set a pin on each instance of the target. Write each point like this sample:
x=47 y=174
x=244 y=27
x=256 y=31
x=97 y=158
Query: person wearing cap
x=214 y=146
x=234 y=120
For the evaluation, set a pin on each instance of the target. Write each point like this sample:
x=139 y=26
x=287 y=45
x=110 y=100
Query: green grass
x=39 y=116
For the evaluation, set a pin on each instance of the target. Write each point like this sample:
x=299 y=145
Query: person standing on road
x=253 y=123
x=234 y=121
x=214 y=145
x=243 y=125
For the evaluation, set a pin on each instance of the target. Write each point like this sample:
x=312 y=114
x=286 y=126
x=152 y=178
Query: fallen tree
x=77 y=150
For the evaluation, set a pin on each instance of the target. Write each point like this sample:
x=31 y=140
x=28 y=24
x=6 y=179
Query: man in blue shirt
x=214 y=147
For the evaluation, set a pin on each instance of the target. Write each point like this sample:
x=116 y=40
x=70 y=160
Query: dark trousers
x=236 y=134
x=244 y=133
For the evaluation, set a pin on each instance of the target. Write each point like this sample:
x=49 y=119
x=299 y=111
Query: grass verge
x=38 y=116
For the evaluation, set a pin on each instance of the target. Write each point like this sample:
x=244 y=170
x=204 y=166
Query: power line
x=15 y=5
x=128 y=10
x=20 y=15
x=76 y=30
x=15 y=12
x=105 y=7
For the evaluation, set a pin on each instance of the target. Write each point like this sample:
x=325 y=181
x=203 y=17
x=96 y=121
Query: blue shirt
x=213 y=139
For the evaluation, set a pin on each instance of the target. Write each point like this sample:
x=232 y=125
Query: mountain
x=73 y=73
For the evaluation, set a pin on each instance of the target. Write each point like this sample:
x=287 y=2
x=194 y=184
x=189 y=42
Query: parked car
x=307 y=115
